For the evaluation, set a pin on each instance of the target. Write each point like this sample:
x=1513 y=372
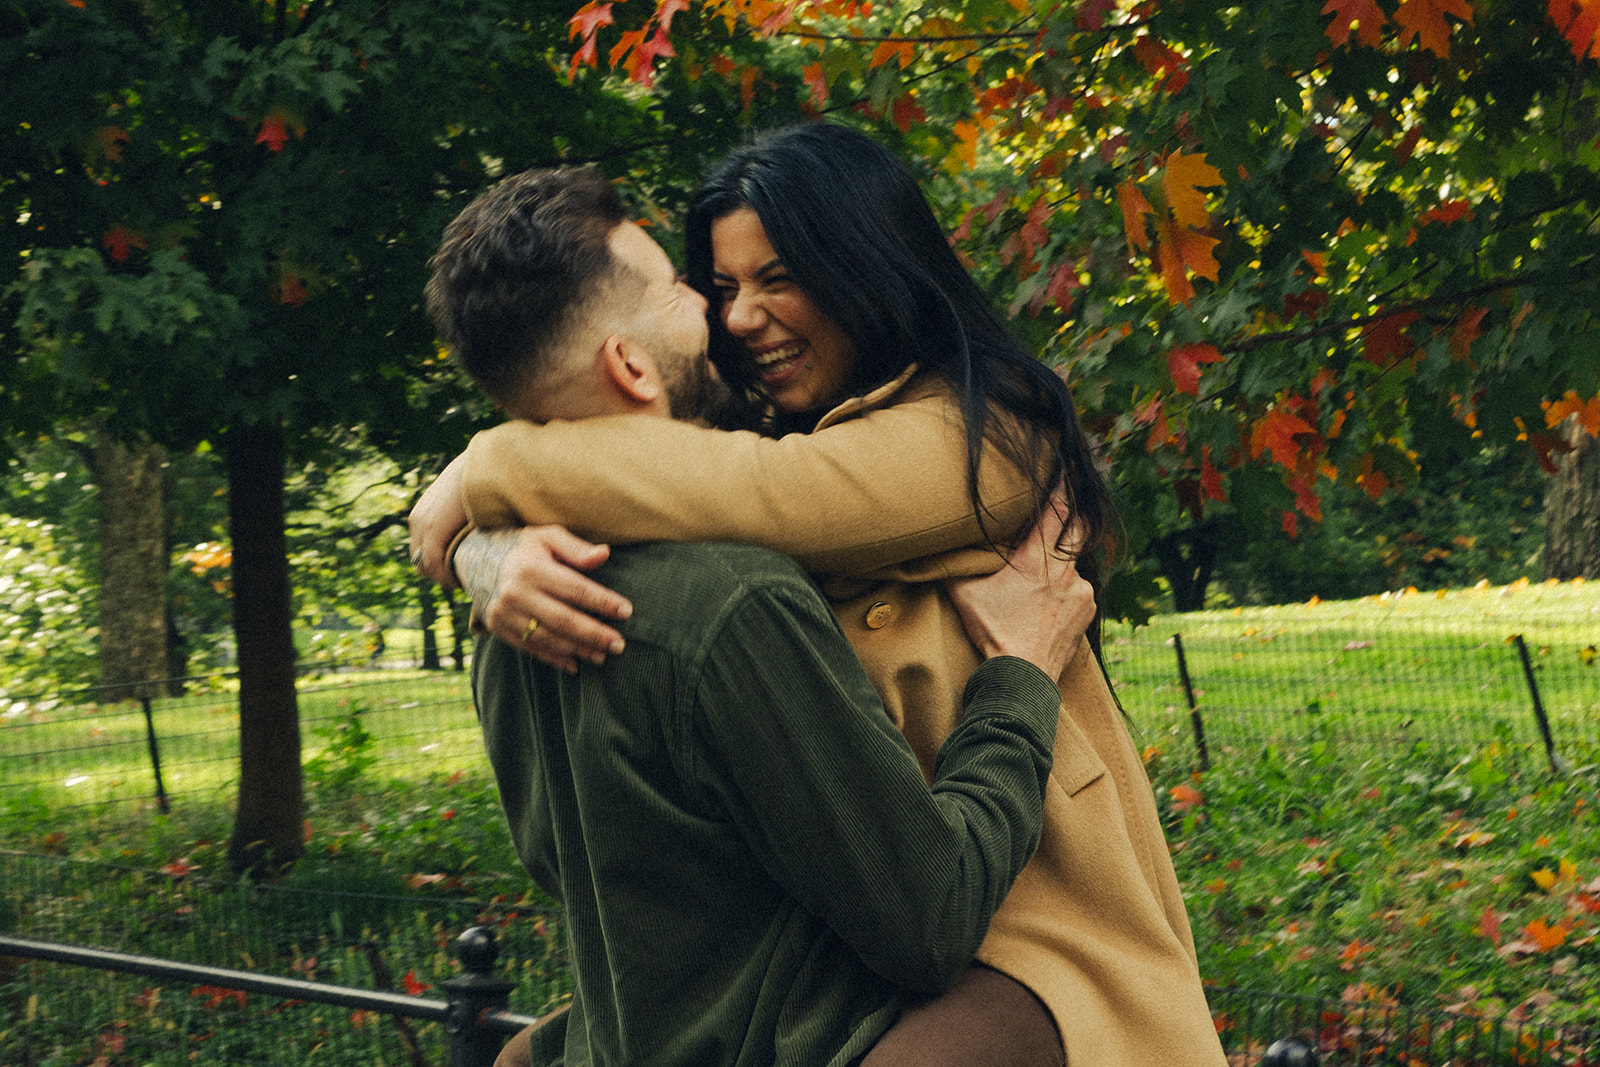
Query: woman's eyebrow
x=775 y=263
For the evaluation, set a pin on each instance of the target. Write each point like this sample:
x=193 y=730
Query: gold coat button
x=878 y=615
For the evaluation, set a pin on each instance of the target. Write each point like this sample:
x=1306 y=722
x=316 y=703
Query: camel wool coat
x=874 y=503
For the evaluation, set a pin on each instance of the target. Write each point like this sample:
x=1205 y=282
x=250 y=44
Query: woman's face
x=802 y=359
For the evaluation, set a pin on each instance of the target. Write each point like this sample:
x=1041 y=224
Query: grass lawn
x=1378 y=828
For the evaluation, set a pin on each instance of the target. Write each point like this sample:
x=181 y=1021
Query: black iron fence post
x=472 y=996
x=1538 y=705
x=155 y=756
x=1194 y=708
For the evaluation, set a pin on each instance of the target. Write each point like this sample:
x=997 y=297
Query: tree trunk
x=1572 y=508
x=1187 y=558
x=267 y=834
x=133 y=567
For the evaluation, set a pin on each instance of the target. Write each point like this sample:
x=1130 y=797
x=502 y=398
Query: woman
x=926 y=437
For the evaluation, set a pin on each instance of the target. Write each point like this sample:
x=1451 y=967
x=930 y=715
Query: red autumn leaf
x=1308 y=302
x=1184 y=363
x=274 y=132
x=1408 y=145
x=1210 y=477
x=119 y=239
x=1148 y=414
x=1134 y=208
x=1277 y=432
x=1467 y=330
x=1545 y=446
x=588 y=20
x=1291 y=524
x=665 y=10
x=1365 y=17
x=291 y=290
x=1386 y=340
x=1164 y=61
x=413 y=986
x=817 y=81
x=110 y=139
x=1425 y=21
x=907 y=112
x=1452 y=211
x=180 y=867
x=1063 y=281
x=1092 y=15
x=1579 y=23
x=1184 y=177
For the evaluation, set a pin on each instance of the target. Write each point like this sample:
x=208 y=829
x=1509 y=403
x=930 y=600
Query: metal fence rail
x=475 y=1013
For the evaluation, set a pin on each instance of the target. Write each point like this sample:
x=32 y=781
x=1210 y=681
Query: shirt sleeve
x=794 y=745
x=884 y=487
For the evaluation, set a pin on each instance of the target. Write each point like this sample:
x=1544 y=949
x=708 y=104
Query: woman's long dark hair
x=855 y=232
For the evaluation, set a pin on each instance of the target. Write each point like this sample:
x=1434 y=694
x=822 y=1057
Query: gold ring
x=533 y=624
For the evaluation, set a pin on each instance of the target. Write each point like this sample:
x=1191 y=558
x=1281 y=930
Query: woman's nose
x=743 y=315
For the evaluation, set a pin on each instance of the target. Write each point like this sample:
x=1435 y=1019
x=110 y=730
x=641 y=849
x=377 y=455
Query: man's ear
x=630 y=368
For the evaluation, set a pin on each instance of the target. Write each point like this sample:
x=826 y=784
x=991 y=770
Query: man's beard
x=695 y=394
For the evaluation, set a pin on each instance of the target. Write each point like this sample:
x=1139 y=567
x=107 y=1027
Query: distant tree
x=217 y=219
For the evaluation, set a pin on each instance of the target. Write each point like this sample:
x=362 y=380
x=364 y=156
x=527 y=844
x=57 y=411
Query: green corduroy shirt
x=751 y=867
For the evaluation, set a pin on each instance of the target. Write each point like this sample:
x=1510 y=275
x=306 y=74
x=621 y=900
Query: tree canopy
x=1273 y=245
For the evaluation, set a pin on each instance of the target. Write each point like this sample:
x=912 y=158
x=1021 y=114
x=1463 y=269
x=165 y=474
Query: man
x=752 y=868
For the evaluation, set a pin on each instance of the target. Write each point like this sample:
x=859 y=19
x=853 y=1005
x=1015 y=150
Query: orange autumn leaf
x=907 y=112
x=1424 y=20
x=1185 y=797
x=1362 y=16
x=1185 y=176
x=1543 y=937
x=119 y=239
x=413 y=985
x=111 y=139
x=1183 y=251
x=1557 y=411
x=1373 y=482
x=1134 y=208
x=1277 y=432
x=1184 y=363
x=588 y=20
x=888 y=50
x=816 y=79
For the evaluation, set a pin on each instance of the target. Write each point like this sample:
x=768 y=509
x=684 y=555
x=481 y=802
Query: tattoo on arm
x=479 y=560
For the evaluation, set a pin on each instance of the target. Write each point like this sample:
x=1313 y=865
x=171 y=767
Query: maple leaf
x=1364 y=16
x=588 y=20
x=1558 y=411
x=1182 y=181
x=965 y=151
x=1063 y=280
x=1386 y=340
x=1186 y=797
x=816 y=79
x=665 y=10
x=1184 y=363
x=1489 y=925
x=110 y=139
x=1408 y=145
x=1134 y=208
x=1579 y=23
x=888 y=50
x=1424 y=21
x=1162 y=60
x=413 y=986
x=1450 y=212
x=1543 y=937
x=1468 y=330
x=1092 y=15
x=1291 y=524
x=1183 y=251
x=1210 y=477
x=119 y=239
x=274 y=132
x=907 y=112
x=1277 y=432
x=1373 y=482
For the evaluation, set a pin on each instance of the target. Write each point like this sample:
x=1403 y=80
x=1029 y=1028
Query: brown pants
x=984 y=1019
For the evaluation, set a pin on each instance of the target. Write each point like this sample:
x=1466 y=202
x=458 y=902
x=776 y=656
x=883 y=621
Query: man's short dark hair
x=515 y=269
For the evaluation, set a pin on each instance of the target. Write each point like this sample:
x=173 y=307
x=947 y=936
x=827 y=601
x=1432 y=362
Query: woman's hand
x=528 y=590
x=435 y=521
x=1038 y=608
